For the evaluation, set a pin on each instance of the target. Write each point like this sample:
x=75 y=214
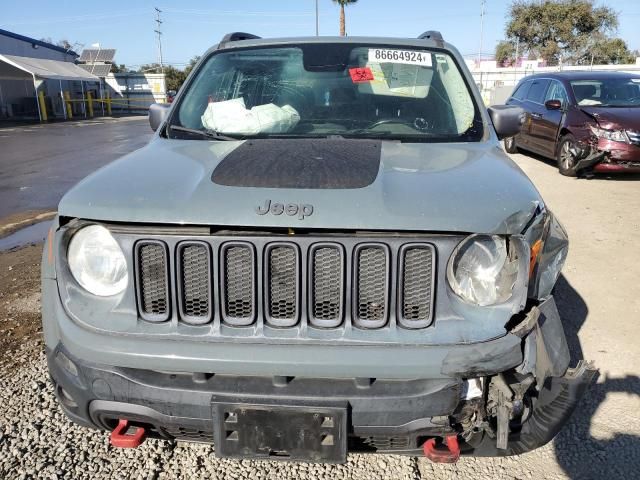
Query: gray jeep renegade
x=322 y=250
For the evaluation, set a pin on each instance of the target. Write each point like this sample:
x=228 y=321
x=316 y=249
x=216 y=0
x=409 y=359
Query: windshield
x=611 y=92
x=319 y=90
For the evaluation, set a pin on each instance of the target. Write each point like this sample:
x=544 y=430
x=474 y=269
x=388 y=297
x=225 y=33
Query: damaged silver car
x=323 y=250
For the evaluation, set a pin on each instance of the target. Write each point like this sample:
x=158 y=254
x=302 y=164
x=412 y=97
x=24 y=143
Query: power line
x=243 y=13
x=159 y=32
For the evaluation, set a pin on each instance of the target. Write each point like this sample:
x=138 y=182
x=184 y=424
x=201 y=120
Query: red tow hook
x=440 y=455
x=122 y=438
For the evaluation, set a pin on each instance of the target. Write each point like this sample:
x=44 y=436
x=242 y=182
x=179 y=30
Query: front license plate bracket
x=277 y=431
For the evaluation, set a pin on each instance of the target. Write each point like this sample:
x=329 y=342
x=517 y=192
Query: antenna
x=159 y=32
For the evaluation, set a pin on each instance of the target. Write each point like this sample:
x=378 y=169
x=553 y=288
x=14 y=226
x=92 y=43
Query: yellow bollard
x=90 y=104
x=67 y=101
x=108 y=101
x=43 y=106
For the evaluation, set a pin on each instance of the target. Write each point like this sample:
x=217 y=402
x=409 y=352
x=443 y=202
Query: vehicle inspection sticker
x=361 y=74
x=410 y=57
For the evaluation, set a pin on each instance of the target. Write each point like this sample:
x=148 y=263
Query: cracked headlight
x=612 y=135
x=482 y=271
x=97 y=262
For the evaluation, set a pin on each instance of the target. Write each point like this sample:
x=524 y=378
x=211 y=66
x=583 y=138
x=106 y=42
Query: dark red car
x=587 y=121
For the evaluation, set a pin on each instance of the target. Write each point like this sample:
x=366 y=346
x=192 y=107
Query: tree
x=64 y=43
x=122 y=68
x=611 y=50
x=192 y=63
x=342 y=4
x=505 y=53
x=559 y=30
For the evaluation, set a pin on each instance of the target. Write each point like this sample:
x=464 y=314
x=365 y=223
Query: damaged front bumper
x=605 y=156
x=528 y=406
x=494 y=398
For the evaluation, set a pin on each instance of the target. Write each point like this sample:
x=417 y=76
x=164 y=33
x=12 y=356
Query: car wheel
x=510 y=145
x=566 y=160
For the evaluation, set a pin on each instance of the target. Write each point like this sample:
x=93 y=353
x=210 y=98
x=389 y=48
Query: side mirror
x=553 y=104
x=507 y=119
x=158 y=113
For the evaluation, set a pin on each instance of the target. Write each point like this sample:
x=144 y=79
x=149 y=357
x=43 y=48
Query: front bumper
x=387 y=415
x=617 y=157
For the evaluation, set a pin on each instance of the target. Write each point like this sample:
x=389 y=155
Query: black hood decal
x=318 y=163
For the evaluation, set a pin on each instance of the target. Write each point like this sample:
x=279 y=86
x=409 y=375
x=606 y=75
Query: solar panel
x=97 y=55
x=99 y=69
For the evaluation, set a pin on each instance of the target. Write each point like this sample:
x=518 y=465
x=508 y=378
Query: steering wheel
x=418 y=123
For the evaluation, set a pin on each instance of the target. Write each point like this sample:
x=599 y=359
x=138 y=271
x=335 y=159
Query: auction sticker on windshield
x=411 y=57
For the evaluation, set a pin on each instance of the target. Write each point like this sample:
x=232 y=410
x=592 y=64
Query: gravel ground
x=598 y=297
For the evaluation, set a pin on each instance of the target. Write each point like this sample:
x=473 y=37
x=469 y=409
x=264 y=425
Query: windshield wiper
x=202 y=133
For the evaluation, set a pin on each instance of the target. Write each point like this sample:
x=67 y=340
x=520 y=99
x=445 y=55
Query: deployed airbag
x=232 y=116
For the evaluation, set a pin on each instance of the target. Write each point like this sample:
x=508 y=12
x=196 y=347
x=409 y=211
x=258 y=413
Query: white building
x=29 y=67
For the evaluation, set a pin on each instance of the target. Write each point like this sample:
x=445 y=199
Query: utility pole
x=317 y=20
x=159 y=32
x=515 y=62
x=482 y=5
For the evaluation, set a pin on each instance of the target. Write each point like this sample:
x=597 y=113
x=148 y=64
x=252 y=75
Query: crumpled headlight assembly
x=612 y=135
x=483 y=270
x=96 y=261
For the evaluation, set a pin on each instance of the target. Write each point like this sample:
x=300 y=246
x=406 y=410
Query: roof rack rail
x=433 y=35
x=235 y=36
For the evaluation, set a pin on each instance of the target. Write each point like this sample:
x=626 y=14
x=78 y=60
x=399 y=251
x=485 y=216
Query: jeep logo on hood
x=292 y=209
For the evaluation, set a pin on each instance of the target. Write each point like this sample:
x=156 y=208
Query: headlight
x=97 y=262
x=613 y=135
x=482 y=271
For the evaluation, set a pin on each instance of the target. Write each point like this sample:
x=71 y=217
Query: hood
x=468 y=187
x=615 y=118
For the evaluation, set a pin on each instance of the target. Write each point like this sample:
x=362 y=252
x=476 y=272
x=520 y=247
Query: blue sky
x=190 y=26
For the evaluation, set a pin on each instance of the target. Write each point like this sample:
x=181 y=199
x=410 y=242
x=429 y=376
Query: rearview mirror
x=553 y=104
x=158 y=113
x=507 y=120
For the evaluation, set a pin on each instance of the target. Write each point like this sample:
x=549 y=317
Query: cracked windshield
x=321 y=90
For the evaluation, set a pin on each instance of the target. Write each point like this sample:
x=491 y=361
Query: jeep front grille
x=326 y=280
x=283 y=284
x=194 y=282
x=153 y=284
x=371 y=292
x=287 y=282
x=239 y=276
x=416 y=285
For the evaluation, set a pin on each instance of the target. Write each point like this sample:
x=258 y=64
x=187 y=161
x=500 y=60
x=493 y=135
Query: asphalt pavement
x=39 y=163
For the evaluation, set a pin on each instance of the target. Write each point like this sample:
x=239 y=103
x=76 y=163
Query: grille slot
x=194 y=274
x=326 y=280
x=416 y=283
x=238 y=272
x=153 y=280
x=282 y=282
x=371 y=285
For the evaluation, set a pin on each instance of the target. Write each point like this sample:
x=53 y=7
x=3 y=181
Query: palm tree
x=342 y=3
